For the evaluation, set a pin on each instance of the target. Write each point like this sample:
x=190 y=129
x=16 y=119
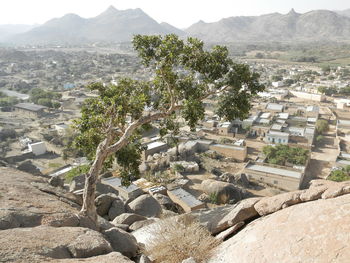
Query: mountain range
x=120 y=25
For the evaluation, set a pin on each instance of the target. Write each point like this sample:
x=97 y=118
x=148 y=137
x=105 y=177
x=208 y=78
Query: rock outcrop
x=315 y=231
x=145 y=205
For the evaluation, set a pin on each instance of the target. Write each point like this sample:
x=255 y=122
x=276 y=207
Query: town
x=297 y=129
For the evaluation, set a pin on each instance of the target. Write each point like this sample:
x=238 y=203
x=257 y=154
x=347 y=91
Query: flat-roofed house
x=274 y=107
x=131 y=191
x=37 y=148
x=224 y=128
x=184 y=199
x=154 y=147
x=286 y=178
x=277 y=137
x=30 y=109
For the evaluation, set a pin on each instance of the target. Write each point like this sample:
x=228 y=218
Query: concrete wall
x=236 y=152
x=308 y=96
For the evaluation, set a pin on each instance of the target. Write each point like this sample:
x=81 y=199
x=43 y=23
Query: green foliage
x=276 y=78
x=226 y=141
x=8 y=101
x=214 y=198
x=283 y=154
x=329 y=91
x=79 y=170
x=179 y=168
x=184 y=74
x=322 y=126
x=340 y=175
x=45 y=98
x=319 y=138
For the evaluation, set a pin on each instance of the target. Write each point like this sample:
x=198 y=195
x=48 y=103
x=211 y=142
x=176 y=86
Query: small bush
x=176 y=240
x=213 y=198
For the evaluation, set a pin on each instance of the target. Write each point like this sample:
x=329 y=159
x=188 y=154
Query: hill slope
x=111 y=26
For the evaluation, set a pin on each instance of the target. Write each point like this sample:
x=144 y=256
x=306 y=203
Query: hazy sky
x=180 y=13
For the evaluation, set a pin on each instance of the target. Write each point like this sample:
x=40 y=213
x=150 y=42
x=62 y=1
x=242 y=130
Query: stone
x=122 y=241
x=38 y=244
x=189 y=260
x=128 y=219
x=124 y=227
x=56 y=181
x=103 y=224
x=103 y=203
x=145 y=205
x=61 y=220
x=113 y=257
x=242 y=211
x=25 y=200
x=224 y=192
x=316 y=231
x=143 y=223
x=164 y=201
x=144 y=259
x=224 y=234
x=268 y=205
x=77 y=183
x=117 y=208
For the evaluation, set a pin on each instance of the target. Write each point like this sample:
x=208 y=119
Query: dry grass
x=179 y=239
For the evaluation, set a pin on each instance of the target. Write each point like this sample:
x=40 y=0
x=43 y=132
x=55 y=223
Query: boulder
x=316 y=231
x=224 y=192
x=226 y=233
x=56 y=181
x=103 y=224
x=128 y=219
x=117 y=208
x=242 y=211
x=122 y=241
x=164 y=201
x=268 y=205
x=124 y=227
x=189 y=260
x=143 y=223
x=45 y=242
x=113 y=257
x=144 y=259
x=103 y=203
x=145 y=205
x=29 y=200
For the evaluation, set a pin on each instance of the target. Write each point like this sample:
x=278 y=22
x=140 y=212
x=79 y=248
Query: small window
x=275 y=182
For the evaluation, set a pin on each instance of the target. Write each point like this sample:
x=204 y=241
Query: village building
x=132 y=191
x=37 y=148
x=154 y=147
x=185 y=200
x=30 y=110
x=285 y=178
x=237 y=152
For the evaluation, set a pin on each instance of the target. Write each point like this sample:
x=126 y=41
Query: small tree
x=184 y=75
x=322 y=126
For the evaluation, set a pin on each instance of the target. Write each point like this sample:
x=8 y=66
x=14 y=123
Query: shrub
x=340 y=175
x=175 y=240
x=213 y=198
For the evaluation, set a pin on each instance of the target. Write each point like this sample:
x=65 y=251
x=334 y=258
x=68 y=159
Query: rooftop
x=30 y=106
x=186 y=197
x=274 y=170
x=155 y=144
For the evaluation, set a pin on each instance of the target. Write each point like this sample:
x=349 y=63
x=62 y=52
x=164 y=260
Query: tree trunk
x=88 y=209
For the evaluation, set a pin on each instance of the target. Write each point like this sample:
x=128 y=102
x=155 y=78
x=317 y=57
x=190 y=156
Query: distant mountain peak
x=111 y=8
x=292 y=12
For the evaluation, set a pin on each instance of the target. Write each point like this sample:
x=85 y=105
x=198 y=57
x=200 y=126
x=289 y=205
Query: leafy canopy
x=185 y=74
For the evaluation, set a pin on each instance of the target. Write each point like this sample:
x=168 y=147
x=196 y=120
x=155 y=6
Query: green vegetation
x=284 y=154
x=322 y=126
x=104 y=133
x=45 y=98
x=340 y=175
x=319 y=138
x=7 y=101
x=82 y=169
x=178 y=168
x=214 y=198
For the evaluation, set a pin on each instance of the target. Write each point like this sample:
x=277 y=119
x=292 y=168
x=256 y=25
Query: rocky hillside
x=311 y=26
x=111 y=26
x=39 y=223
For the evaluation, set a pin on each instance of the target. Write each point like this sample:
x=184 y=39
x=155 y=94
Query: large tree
x=184 y=74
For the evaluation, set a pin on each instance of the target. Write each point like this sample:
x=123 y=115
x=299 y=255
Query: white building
x=37 y=148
